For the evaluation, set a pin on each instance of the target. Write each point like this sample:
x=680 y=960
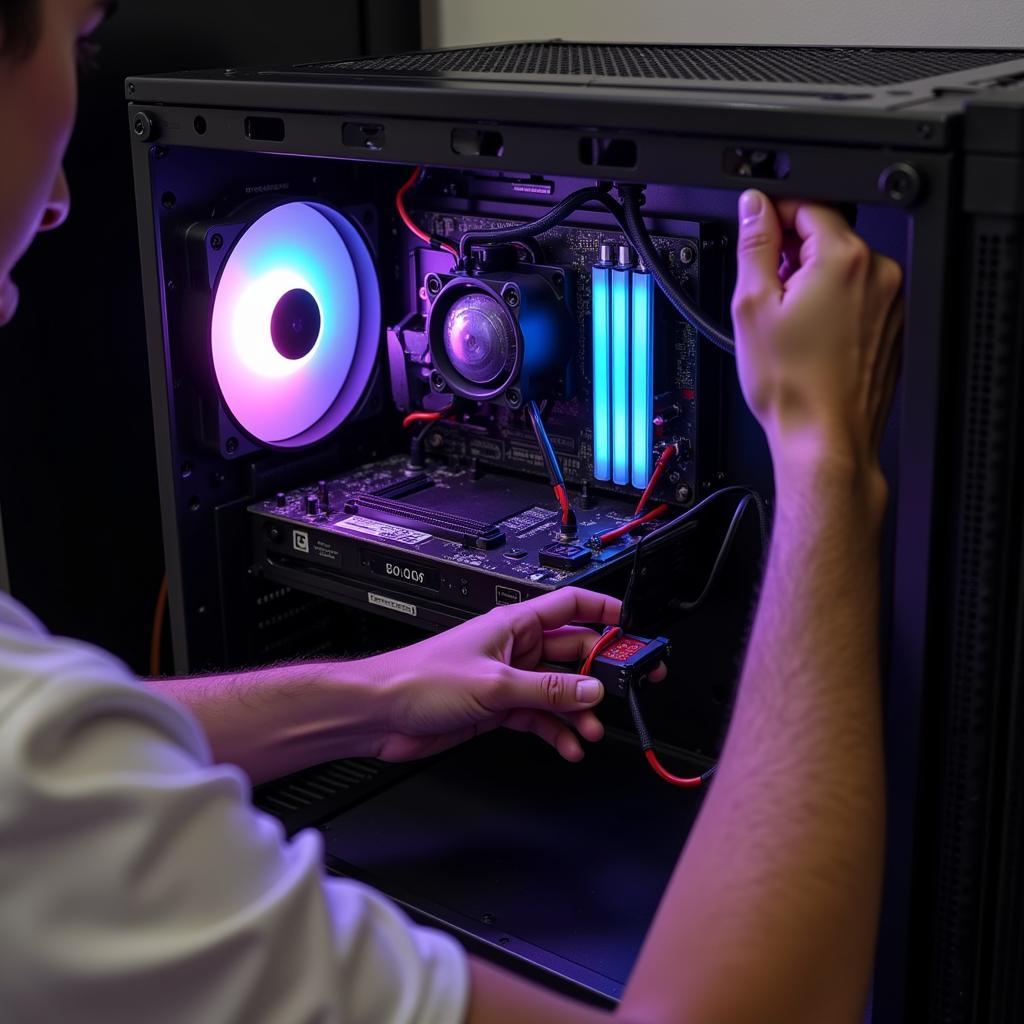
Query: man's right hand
x=817 y=337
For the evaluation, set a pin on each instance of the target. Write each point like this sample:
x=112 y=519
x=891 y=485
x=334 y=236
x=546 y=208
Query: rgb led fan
x=296 y=324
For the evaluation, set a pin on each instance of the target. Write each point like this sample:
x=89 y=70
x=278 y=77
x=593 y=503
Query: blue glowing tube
x=642 y=373
x=601 y=308
x=621 y=278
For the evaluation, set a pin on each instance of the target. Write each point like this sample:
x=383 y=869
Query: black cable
x=723 y=551
x=664 y=533
x=647 y=742
x=417 y=460
x=644 y=245
x=554 y=216
x=638 y=719
x=547 y=450
x=629 y=218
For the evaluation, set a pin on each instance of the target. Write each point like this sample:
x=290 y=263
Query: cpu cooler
x=499 y=336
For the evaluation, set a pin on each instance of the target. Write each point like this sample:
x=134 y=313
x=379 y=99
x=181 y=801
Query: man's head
x=39 y=45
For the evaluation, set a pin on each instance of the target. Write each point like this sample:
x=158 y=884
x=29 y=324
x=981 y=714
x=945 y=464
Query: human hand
x=817 y=339
x=489 y=672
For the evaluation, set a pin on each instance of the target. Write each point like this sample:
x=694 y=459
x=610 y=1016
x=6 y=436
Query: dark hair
x=19 y=27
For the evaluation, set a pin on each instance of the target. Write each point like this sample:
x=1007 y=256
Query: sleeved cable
x=638 y=235
x=647 y=745
x=553 y=466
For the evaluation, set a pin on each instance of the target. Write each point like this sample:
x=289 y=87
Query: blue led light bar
x=642 y=374
x=601 y=302
x=621 y=280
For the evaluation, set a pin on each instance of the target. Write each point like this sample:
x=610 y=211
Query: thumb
x=553 y=691
x=759 y=247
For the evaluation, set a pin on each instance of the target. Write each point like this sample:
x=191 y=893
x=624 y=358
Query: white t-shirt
x=138 y=884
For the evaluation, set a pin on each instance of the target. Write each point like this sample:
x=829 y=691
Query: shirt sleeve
x=137 y=882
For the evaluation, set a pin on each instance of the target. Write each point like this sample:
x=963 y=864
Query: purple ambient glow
x=289 y=314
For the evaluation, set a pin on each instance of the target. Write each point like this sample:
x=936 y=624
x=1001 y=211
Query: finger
x=551 y=691
x=759 y=247
x=550 y=729
x=811 y=218
x=571 y=604
x=587 y=724
x=790 y=256
x=568 y=644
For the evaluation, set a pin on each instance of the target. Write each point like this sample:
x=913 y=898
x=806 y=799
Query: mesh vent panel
x=983 y=483
x=314 y=794
x=794 y=65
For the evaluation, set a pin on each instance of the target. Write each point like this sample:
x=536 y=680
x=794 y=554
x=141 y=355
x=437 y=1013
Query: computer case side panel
x=975 y=905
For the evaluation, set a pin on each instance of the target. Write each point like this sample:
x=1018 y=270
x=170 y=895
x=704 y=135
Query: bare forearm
x=277 y=720
x=780 y=880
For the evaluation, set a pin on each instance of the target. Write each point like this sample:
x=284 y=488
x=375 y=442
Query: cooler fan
x=296 y=324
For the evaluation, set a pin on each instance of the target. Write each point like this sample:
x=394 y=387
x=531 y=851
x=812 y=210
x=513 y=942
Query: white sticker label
x=383 y=531
x=519 y=524
x=391 y=604
x=300 y=541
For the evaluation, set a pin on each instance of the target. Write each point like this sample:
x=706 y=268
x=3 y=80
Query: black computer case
x=925 y=148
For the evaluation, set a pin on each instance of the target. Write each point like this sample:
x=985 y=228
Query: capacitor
x=312 y=505
x=280 y=499
x=324 y=495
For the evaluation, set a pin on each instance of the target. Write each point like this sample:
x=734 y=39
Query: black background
x=78 y=487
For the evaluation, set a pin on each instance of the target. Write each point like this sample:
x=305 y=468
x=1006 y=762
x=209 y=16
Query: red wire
x=422 y=417
x=621 y=531
x=408 y=221
x=664 y=773
x=659 y=467
x=563 y=502
x=603 y=641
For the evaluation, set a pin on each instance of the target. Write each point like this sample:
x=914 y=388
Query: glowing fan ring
x=296 y=324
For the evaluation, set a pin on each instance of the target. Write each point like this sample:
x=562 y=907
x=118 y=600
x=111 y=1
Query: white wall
x=996 y=23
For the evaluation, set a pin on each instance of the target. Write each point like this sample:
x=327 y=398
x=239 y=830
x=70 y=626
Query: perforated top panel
x=667 y=64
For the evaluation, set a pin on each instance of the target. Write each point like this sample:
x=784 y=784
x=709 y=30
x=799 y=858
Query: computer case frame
x=953 y=910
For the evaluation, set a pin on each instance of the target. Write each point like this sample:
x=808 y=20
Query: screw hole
x=200 y=125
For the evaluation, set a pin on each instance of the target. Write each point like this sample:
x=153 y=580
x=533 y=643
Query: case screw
x=511 y=296
x=684 y=494
x=687 y=255
x=437 y=381
x=433 y=284
x=514 y=398
x=901 y=183
x=231 y=445
x=144 y=126
x=217 y=242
